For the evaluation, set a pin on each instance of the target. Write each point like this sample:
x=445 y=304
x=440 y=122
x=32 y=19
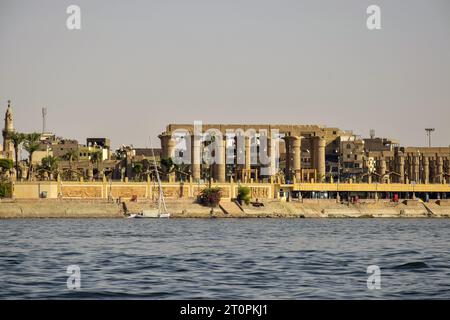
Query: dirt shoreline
x=54 y=208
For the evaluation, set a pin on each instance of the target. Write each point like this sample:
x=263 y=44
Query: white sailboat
x=162 y=209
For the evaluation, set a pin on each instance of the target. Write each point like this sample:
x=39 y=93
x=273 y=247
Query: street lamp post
x=429 y=131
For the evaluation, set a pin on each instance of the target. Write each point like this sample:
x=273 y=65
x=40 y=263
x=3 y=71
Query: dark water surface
x=225 y=258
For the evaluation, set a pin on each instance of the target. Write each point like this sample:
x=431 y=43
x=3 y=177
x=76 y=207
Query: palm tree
x=31 y=145
x=137 y=170
x=70 y=155
x=121 y=154
x=167 y=166
x=17 y=139
x=183 y=171
x=96 y=157
x=50 y=164
x=5 y=167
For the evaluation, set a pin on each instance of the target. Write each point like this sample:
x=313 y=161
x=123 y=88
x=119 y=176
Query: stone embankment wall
x=57 y=208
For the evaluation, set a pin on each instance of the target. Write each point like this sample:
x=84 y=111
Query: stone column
x=401 y=168
x=195 y=157
x=382 y=169
x=297 y=156
x=319 y=152
x=171 y=148
x=248 y=163
x=219 y=166
x=271 y=154
x=288 y=156
x=426 y=170
x=448 y=169
x=167 y=145
x=163 y=139
x=416 y=173
x=167 y=151
x=440 y=169
x=269 y=167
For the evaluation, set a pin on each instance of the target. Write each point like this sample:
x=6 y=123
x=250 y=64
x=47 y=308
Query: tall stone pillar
x=401 y=169
x=196 y=157
x=167 y=145
x=171 y=148
x=319 y=152
x=219 y=166
x=382 y=169
x=448 y=169
x=416 y=173
x=440 y=169
x=248 y=161
x=167 y=151
x=288 y=156
x=297 y=156
x=163 y=145
x=271 y=153
x=426 y=169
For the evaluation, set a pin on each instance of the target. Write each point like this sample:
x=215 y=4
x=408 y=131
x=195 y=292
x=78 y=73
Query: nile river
x=225 y=258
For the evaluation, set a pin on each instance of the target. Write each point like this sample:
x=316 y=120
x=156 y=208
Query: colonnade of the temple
x=418 y=169
x=293 y=146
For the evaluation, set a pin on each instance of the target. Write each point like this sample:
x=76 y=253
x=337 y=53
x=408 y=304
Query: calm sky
x=137 y=65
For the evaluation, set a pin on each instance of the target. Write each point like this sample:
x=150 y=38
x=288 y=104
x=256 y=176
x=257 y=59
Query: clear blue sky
x=137 y=65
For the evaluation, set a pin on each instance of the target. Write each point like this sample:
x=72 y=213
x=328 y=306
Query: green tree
x=137 y=169
x=31 y=144
x=5 y=165
x=5 y=189
x=96 y=157
x=210 y=197
x=244 y=195
x=167 y=166
x=183 y=171
x=50 y=164
x=17 y=139
x=71 y=155
x=121 y=154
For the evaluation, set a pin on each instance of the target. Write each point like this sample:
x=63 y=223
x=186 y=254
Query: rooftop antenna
x=372 y=134
x=44 y=118
x=429 y=131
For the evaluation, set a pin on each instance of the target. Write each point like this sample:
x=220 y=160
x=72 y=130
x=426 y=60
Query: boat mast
x=161 y=193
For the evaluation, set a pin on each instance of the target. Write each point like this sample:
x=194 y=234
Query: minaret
x=8 y=146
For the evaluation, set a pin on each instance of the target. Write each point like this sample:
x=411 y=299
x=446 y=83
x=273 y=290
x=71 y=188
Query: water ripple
x=225 y=259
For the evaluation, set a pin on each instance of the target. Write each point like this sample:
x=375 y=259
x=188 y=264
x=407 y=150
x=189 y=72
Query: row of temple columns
x=293 y=146
x=168 y=146
x=418 y=168
x=422 y=170
x=414 y=168
x=293 y=156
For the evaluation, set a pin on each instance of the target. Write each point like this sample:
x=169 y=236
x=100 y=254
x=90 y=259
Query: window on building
x=349 y=146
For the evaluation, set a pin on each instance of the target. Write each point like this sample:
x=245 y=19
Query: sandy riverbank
x=47 y=208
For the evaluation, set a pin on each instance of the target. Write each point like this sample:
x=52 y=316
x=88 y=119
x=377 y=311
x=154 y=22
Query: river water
x=225 y=258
